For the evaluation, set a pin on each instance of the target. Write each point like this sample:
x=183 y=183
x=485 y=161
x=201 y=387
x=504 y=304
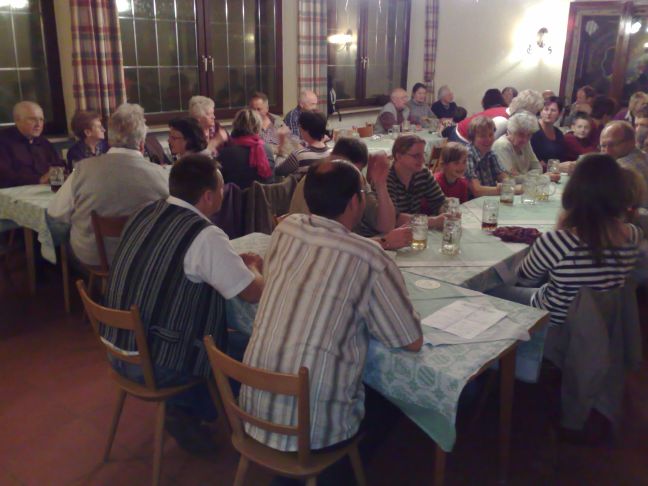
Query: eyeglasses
x=416 y=155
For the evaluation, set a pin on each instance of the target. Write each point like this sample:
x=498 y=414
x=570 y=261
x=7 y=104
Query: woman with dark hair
x=492 y=99
x=508 y=94
x=91 y=135
x=186 y=137
x=549 y=142
x=591 y=247
x=247 y=158
x=420 y=111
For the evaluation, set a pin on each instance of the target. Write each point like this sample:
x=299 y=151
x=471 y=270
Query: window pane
x=144 y=9
x=167 y=46
x=7 y=57
x=187 y=44
x=128 y=42
x=185 y=9
x=219 y=46
x=149 y=88
x=29 y=40
x=132 y=92
x=189 y=86
x=343 y=24
x=34 y=84
x=221 y=87
x=170 y=85
x=146 y=43
x=165 y=9
x=9 y=94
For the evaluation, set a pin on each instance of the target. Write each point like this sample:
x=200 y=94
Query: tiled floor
x=56 y=401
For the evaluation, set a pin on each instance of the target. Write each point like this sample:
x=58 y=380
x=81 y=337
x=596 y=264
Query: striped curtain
x=431 y=36
x=313 y=53
x=97 y=56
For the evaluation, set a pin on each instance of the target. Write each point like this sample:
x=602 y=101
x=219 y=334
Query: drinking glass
x=451 y=208
x=56 y=178
x=450 y=242
x=544 y=188
x=395 y=131
x=553 y=166
x=419 y=225
x=507 y=191
x=490 y=211
x=406 y=125
x=529 y=187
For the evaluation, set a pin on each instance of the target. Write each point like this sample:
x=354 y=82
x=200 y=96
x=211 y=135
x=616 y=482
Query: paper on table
x=505 y=329
x=464 y=319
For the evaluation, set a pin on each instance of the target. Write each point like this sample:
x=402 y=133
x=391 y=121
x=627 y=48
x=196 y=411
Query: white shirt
x=211 y=259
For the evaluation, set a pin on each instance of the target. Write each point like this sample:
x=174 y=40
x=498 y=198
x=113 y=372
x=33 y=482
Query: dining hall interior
x=271 y=242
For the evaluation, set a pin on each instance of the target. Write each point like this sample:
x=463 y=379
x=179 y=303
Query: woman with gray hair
x=444 y=107
x=202 y=109
x=514 y=150
x=247 y=158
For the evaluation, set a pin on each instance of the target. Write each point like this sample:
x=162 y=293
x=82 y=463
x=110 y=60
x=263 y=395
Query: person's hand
x=436 y=222
x=554 y=177
x=44 y=179
x=398 y=238
x=252 y=260
x=519 y=189
x=378 y=169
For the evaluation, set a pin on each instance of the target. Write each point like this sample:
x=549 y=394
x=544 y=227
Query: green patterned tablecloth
x=425 y=385
x=27 y=206
x=384 y=143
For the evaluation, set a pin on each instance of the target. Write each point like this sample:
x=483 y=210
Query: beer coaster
x=427 y=284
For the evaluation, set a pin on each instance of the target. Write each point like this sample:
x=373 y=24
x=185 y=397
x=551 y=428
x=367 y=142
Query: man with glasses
x=25 y=155
x=393 y=113
x=618 y=141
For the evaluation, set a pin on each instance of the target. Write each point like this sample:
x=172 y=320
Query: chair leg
x=119 y=406
x=356 y=463
x=65 y=271
x=241 y=471
x=159 y=442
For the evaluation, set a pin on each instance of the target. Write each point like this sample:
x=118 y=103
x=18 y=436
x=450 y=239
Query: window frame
x=362 y=53
x=205 y=69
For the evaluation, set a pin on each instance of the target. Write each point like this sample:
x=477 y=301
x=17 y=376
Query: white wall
x=482 y=44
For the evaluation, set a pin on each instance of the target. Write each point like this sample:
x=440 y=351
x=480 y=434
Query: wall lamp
x=542 y=41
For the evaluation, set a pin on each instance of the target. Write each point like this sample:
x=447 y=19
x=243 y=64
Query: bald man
x=307 y=102
x=393 y=113
x=618 y=141
x=25 y=155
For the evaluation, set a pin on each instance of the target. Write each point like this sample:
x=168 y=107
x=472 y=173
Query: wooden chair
x=435 y=158
x=130 y=321
x=365 y=132
x=104 y=227
x=301 y=464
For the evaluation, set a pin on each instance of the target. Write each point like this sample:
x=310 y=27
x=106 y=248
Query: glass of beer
x=553 y=166
x=529 y=186
x=451 y=208
x=490 y=212
x=450 y=243
x=56 y=178
x=507 y=191
x=544 y=188
x=419 y=225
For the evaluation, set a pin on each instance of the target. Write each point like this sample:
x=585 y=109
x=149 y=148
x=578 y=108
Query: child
x=577 y=141
x=453 y=166
x=460 y=114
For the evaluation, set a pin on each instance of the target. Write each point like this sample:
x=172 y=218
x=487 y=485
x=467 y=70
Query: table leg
x=439 y=465
x=65 y=271
x=507 y=380
x=31 y=260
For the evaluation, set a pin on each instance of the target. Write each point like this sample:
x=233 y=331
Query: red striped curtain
x=431 y=36
x=313 y=52
x=97 y=56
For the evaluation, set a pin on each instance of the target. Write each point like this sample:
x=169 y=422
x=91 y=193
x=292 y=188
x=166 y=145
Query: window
x=224 y=49
x=367 y=49
x=29 y=66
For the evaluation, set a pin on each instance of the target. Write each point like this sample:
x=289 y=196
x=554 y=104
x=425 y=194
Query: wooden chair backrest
x=297 y=385
x=106 y=227
x=127 y=320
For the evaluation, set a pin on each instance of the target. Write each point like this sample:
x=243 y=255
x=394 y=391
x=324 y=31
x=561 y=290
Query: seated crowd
x=326 y=261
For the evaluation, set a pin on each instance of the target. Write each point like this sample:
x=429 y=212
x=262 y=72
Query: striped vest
x=148 y=271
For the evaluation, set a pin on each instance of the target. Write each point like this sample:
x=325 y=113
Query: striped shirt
x=423 y=195
x=486 y=168
x=300 y=159
x=327 y=291
x=570 y=266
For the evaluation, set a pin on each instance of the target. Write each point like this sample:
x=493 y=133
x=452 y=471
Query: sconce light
x=341 y=40
x=542 y=41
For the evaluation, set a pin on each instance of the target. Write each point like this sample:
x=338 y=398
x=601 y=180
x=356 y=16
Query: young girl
x=592 y=245
x=453 y=166
x=577 y=141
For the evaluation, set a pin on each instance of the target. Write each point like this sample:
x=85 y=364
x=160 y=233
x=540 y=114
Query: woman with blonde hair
x=202 y=109
x=247 y=158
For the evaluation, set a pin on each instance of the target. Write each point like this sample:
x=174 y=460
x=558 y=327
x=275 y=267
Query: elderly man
x=641 y=128
x=444 y=107
x=178 y=268
x=307 y=102
x=618 y=141
x=25 y=155
x=336 y=289
x=393 y=113
x=116 y=183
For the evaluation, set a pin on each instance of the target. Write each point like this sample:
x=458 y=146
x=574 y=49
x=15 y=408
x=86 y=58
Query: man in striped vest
x=179 y=268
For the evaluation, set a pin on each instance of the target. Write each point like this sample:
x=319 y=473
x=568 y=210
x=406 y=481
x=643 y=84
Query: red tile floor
x=56 y=401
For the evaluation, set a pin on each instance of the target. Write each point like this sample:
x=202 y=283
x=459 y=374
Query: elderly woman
x=444 y=107
x=273 y=129
x=636 y=102
x=186 y=137
x=514 y=150
x=527 y=100
x=91 y=135
x=393 y=113
x=411 y=186
x=508 y=94
x=420 y=111
x=247 y=158
x=202 y=109
x=548 y=142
